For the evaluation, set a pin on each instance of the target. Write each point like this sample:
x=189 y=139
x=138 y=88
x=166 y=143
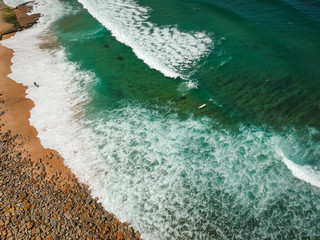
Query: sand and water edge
x=40 y=197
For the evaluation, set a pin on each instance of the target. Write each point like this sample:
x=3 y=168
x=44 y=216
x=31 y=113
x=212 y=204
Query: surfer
x=36 y=84
x=212 y=100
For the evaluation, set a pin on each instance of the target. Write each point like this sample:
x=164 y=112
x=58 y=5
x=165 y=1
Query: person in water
x=36 y=84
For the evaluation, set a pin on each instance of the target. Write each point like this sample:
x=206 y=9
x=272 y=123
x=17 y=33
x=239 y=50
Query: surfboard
x=202 y=106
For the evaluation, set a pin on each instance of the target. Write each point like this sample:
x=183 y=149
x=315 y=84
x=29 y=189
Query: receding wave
x=164 y=48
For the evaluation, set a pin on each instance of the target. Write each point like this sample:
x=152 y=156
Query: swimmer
x=36 y=84
x=214 y=101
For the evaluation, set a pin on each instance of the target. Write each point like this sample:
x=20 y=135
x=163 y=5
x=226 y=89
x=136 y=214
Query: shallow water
x=120 y=83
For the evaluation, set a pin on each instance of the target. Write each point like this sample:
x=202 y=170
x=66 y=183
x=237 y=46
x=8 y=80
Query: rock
x=107 y=227
x=53 y=222
x=119 y=235
x=37 y=230
x=83 y=218
x=88 y=200
x=23 y=195
x=68 y=215
x=29 y=225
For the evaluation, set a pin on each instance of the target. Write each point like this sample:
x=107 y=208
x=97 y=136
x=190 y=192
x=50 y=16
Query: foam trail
x=305 y=173
x=166 y=49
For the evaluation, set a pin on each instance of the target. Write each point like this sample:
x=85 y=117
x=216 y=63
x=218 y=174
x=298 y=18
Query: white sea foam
x=14 y=3
x=164 y=48
x=167 y=175
x=223 y=62
x=306 y=173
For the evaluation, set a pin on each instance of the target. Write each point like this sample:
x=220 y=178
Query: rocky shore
x=34 y=207
x=16 y=19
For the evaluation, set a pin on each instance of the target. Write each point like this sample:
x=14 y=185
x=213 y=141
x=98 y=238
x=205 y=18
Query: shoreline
x=46 y=168
x=17 y=113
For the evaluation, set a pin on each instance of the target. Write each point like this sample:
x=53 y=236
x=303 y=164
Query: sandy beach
x=40 y=197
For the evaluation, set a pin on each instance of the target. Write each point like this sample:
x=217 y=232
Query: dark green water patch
x=260 y=71
x=122 y=76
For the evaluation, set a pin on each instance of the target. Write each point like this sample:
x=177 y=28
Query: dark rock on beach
x=16 y=19
x=25 y=19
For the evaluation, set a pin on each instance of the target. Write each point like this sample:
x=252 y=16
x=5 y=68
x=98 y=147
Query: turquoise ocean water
x=120 y=85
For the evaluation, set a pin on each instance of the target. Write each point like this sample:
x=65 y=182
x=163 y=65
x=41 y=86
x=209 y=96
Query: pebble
x=68 y=215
